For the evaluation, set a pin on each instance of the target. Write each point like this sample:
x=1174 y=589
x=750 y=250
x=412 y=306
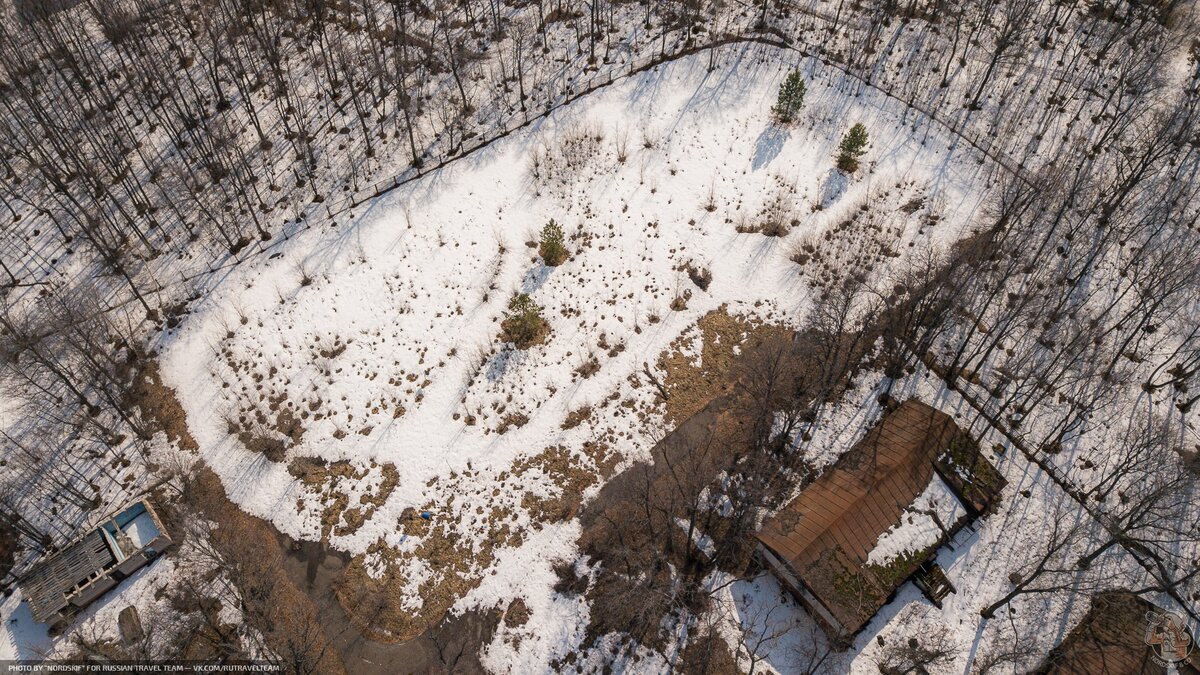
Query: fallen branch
x=662 y=390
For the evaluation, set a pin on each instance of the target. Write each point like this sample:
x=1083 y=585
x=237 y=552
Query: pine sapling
x=791 y=97
x=551 y=248
x=523 y=324
x=853 y=146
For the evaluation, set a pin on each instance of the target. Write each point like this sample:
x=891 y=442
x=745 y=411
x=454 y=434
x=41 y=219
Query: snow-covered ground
x=380 y=328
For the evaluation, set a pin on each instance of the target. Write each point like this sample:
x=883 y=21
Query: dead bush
x=681 y=300
x=701 y=276
x=588 y=368
x=803 y=252
x=577 y=417
x=778 y=216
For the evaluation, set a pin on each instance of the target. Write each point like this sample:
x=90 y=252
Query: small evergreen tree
x=853 y=146
x=791 y=97
x=552 y=249
x=523 y=323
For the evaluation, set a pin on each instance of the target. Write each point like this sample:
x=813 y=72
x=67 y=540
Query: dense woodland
x=145 y=144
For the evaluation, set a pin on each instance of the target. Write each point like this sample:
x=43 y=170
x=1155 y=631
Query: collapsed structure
x=821 y=545
x=73 y=577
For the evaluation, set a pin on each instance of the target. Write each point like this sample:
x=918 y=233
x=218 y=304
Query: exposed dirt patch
x=354 y=517
x=577 y=417
x=588 y=368
x=275 y=606
x=160 y=406
x=512 y=421
x=691 y=382
x=474 y=517
x=569 y=474
x=375 y=589
x=331 y=482
x=451 y=646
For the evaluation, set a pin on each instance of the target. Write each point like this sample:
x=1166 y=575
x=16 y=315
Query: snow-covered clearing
x=383 y=337
x=374 y=347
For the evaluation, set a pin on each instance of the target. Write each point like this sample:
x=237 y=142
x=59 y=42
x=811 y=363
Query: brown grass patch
x=569 y=474
x=456 y=549
x=690 y=387
x=577 y=417
x=354 y=517
x=326 y=480
x=512 y=421
x=681 y=300
x=588 y=368
x=160 y=406
x=517 y=614
x=376 y=605
x=283 y=614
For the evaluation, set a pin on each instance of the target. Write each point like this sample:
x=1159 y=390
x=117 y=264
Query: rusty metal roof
x=826 y=533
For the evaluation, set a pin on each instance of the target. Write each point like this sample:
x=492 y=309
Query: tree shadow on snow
x=768 y=146
x=498 y=366
x=535 y=278
x=833 y=186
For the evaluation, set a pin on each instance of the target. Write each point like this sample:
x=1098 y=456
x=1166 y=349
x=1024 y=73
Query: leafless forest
x=149 y=147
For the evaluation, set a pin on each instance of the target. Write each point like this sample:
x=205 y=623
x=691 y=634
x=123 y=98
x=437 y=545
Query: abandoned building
x=83 y=570
x=1113 y=639
x=820 y=545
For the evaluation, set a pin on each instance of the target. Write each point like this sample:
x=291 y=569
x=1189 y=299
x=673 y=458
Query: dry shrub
x=701 y=276
x=588 y=368
x=804 y=252
x=577 y=417
x=681 y=300
x=778 y=216
x=560 y=164
x=512 y=421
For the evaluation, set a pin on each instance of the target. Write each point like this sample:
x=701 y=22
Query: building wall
x=832 y=627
